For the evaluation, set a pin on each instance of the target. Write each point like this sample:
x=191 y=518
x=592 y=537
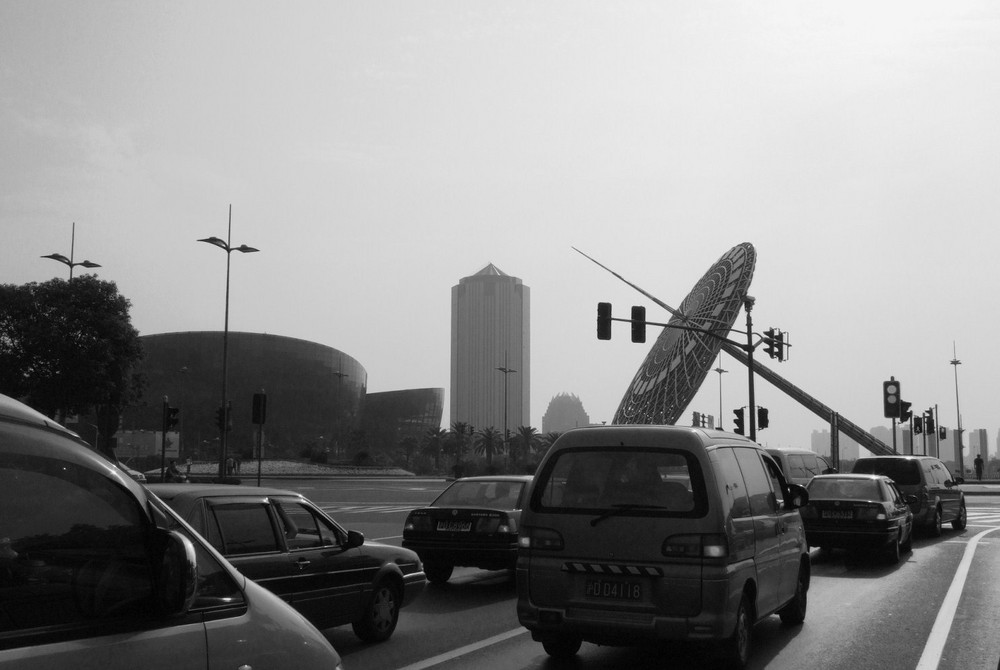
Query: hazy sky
x=378 y=152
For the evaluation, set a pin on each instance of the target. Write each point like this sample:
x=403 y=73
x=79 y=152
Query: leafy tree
x=432 y=444
x=69 y=347
x=550 y=437
x=489 y=441
x=526 y=440
x=456 y=438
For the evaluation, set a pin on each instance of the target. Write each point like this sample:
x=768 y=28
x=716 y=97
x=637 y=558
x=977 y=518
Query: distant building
x=490 y=328
x=392 y=417
x=978 y=444
x=565 y=411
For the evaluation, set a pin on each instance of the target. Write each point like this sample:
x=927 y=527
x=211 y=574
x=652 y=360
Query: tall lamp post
x=958 y=431
x=506 y=371
x=69 y=261
x=721 y=372
x=226 y=246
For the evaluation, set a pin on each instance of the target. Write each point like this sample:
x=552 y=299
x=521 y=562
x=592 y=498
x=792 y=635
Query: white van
x=97 y=573
x=636 y=534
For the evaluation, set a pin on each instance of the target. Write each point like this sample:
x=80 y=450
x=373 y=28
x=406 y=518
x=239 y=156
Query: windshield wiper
x=621 y=509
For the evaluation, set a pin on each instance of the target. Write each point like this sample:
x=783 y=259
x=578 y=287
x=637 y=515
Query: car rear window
x=902 y=471
x=493 y=494
x=844 y=489
x=642 y=481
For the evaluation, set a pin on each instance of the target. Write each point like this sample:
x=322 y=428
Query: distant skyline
x=378 y=152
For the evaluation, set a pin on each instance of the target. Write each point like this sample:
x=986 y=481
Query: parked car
x=937 y=496
x=801 y=465
x=634 y=534
x=858 y=512
x=474 y=522
x=95 y=572
x=290 y=546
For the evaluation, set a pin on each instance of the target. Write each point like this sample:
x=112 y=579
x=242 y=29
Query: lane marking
x=467 y=649
x=934 y=648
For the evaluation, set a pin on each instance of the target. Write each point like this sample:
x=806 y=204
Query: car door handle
x=303 y=563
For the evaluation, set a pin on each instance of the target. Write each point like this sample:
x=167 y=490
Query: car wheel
x=737 y=648
x=961 y=520
x=794 y=612
x=936 y=524
x=438 y=573
x=561 y=646
x=380 y=615
x=893 y=551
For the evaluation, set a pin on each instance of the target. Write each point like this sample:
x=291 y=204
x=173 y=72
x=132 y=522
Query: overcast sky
x=378 y=152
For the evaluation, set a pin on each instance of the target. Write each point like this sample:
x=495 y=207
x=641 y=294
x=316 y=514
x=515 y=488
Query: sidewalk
x=985 y=487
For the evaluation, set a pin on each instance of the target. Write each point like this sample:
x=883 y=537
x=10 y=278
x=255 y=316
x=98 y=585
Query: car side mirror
x=958 y=481
x=911 y=499
x=797 y=496
x=355 y=539
x=176 y=577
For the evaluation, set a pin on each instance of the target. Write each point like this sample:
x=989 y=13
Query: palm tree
x=489 y=441
x=432 y=444
x=550 y=437
x=527 y=440
x=459 y=429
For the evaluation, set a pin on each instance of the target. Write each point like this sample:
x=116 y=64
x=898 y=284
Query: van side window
x=732 y=491
x=758 y=481
x=72 y=546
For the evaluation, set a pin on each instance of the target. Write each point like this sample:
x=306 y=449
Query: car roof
x=497 y=478
x=172 y=491
x=14 y=410
x=898 y=457
x=852 y=475
x=686 y=436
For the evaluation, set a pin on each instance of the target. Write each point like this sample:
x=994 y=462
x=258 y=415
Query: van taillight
x=696 y=546
x=543 y=539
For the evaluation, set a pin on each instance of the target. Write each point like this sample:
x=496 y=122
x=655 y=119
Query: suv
x=939 y=499
x=286 y=544
x=95 y=572
x=646 y=533
x=801 y=465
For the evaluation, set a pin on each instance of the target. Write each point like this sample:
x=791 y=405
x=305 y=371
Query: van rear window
x=639 y=481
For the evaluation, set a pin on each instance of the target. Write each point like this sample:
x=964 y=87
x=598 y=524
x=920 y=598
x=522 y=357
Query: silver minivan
x=636 y=534
x=96 y=572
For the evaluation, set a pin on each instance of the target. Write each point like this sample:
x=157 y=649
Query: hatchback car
x=938 y=498
x=858 y=512
x=473 y=522
x=285 y=543
x=637 y=534
x=97 y=573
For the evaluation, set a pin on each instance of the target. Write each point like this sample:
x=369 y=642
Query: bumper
x=497 y=555
x=851 y=538
x=413 y=586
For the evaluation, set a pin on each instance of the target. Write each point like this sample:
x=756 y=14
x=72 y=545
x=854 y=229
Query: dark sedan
x=285 y=543
x=858 y=512
x=472 y=523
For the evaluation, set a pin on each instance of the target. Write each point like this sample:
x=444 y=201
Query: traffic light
x=762 y=420
x=905 y=414
x=929 y=421
x=638 y=323
x=918 y=425
x=220 y=418
x=604 y=320
x=890 y=399
x=770 y=344
x=170 y=419
x=942 y=433
x=696 y=420
x=259 y=413
x=738 y=421
x=779 y=345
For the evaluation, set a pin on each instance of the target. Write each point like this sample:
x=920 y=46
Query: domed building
x=565 y=411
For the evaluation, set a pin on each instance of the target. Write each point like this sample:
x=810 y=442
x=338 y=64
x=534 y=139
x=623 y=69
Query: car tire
x=736 y=651
x=935 y=527
x=962 y=519
x=893 y=551
x=561 y=646
x=907 y=546
x=794 y=612
x=438 y=573
x=381 y=614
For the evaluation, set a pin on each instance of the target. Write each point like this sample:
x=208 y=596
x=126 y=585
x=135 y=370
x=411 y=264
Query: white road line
x=931 y=657
x=462 y=651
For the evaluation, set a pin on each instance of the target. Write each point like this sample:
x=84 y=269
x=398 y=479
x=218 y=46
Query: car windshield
x=494 y=494
x=844 y=489
x=902 y=471
x=622 y=479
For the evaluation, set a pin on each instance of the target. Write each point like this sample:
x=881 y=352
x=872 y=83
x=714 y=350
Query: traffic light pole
x=748 y=307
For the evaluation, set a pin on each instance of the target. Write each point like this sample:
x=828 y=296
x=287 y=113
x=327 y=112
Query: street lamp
x=721 y=372
x=229 y=249
x=506 y=371
x=958 y=431
x=69 y=261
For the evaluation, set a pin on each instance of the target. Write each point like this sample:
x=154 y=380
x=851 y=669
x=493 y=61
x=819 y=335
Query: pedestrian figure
x=173 y=474
x=188 y=473
x=979 y=466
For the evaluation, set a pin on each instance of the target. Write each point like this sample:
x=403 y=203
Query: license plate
x=838 y=514
x=455 y=526
x=613 y=589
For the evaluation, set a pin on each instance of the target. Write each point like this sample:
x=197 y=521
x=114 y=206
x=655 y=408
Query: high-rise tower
x=490 y=351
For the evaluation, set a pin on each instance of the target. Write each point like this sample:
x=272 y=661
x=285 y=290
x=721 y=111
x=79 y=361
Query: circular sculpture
x=680 y=359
